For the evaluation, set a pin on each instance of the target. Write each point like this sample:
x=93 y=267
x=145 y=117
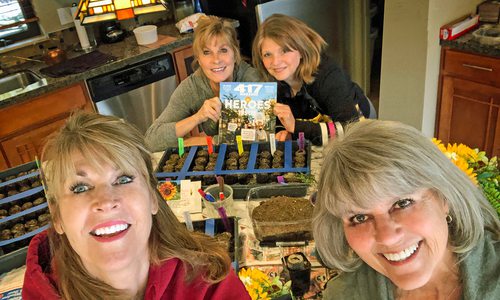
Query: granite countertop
x=127 y=52
x=469 y=43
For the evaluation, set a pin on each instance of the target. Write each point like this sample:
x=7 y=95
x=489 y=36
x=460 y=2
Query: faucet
x=23 y=58
x=5 y=66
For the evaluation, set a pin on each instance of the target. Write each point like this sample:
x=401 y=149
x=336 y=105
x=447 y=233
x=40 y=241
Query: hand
x=285 y=115
x=283 y=135
x=210 y=109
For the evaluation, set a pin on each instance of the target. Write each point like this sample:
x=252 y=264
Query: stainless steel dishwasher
x=137 y=93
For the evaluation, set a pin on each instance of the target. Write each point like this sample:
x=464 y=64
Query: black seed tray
x=28 y=188
x=13 y=260
x=16 y=170
x=213 y=227
x=254 y=149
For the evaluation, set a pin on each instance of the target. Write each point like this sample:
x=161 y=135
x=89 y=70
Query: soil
x=283 y=219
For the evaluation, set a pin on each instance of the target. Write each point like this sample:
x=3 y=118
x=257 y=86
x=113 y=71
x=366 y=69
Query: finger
x=281 y=136
x=213 y=115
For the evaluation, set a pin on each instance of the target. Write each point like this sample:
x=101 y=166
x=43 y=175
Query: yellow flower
x=167 y=190
x=462 y=156
x=256 y=282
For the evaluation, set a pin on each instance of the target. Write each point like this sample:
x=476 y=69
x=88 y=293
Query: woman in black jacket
x=314 y=94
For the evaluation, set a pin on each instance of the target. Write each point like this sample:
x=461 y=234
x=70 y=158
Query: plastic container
x=211 y=208
x=488 y=35
x=146 y=34
x=293 y=227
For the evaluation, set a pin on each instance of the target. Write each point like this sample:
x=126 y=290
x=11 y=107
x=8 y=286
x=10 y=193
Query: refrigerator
x=344 y=24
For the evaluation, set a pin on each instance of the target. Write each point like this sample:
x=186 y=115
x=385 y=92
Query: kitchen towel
x=78 y=64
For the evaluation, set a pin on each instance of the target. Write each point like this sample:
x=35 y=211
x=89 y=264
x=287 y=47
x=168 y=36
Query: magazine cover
x=247 y=110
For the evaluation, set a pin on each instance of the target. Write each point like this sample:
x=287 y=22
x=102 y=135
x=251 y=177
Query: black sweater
x=332 y=94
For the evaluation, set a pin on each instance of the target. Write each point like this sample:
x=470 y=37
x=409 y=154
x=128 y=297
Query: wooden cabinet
x=183 y=58
x=469 y=100
x=24 y=127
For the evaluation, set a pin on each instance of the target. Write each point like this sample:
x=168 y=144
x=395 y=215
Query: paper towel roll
x=80 y=30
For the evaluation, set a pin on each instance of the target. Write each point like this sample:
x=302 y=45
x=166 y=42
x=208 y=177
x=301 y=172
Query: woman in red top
x=112 y=234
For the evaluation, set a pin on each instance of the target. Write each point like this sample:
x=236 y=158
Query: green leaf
x=484 y=175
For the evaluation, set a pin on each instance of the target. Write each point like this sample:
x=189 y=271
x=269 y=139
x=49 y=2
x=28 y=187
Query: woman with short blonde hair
x=195 y=104
x=400 y=220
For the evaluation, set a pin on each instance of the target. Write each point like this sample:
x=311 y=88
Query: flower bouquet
x=260 y=286
x=481 y=170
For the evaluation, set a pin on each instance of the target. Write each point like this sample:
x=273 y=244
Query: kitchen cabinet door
x=25 y=147
x=25 y=126
x=469 y=100
x=3 y=163
x=469 y=114
x=183 y=58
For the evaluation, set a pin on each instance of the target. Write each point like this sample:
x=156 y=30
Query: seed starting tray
x=17 y=210
x=240 y=190
x=213 y=227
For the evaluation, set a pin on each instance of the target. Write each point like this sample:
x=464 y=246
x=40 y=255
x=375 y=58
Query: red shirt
x=166 y=281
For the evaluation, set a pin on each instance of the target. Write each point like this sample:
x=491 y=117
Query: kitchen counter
x=468 y=43
x=127 y=52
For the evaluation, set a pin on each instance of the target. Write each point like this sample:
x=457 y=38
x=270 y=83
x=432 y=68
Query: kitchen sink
x=19 y=82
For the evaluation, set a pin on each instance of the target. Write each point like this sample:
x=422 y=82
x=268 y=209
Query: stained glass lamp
x=93 y=11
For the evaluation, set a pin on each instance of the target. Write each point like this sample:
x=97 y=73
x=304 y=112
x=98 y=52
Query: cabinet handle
x=478 y=67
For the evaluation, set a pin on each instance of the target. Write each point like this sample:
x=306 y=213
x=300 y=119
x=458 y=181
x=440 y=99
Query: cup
x=211 y=208
x=146 y=34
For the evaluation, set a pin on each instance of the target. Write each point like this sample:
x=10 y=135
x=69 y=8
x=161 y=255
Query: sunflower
x=462 y=156
x=167 y=190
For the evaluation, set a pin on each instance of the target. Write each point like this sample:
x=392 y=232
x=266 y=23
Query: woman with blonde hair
x=195 y=102
x=313 y=92
x=401 y=221
x=112 y=234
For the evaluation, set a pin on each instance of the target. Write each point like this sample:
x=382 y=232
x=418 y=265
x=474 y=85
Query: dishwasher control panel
x=132 y=77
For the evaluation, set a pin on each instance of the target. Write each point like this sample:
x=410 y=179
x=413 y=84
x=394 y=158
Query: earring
x=350 y=252
x=449 y=219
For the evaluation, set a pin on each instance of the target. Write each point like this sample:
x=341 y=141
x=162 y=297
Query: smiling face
x=106 y=215
x=405 y=239
x=217 y=60
x=279 y=62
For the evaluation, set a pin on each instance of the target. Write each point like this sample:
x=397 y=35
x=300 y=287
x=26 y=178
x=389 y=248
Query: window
x=17 y=21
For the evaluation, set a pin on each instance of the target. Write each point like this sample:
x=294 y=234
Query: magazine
x=247 y=110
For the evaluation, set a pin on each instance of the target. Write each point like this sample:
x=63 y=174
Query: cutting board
x=162 y=40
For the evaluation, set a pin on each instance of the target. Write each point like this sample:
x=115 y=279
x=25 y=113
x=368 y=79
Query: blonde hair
x=103 y=139
x=290 y=33
x=210 y=27
x=376 y=160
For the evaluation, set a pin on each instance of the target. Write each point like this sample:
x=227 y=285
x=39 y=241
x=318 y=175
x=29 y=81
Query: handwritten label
x=272 y=142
